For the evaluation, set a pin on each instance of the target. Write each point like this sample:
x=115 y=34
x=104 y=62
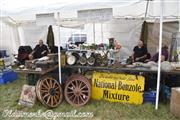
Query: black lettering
x=105 y=94
x=127 y=97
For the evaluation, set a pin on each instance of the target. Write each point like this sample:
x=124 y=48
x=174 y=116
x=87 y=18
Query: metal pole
x=102 y=38
x=147 y=5
x=94 y=36
x=59 y=50
x=179 y=15
x=159 y=61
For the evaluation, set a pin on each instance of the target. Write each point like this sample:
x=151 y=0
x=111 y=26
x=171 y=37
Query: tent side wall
x=9 y=37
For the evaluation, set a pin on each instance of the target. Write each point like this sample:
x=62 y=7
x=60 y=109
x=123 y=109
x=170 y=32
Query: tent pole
x=59 y=50
x=94 y=32
x=178 y=17
x=159 y=61
x=102 y=38
x=147 y=5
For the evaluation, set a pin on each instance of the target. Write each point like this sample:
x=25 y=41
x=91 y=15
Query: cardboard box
x=28 y=96
x=175 y=101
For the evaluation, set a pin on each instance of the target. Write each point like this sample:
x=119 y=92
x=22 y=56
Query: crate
x=175 y=102
x=8 y=76
x=3 y=53
x=150 y=97
x=166 y=91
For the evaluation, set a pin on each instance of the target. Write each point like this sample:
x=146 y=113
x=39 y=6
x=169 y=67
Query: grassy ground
x=102 y=110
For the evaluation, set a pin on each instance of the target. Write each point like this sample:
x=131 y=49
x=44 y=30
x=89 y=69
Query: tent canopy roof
x=21 y=10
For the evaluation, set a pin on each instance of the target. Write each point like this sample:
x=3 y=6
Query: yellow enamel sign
x=118 y=87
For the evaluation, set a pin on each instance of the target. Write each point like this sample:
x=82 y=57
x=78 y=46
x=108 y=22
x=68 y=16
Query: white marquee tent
x=18 y=21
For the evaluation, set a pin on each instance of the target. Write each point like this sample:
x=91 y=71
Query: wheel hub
x=52 y=91
x=77 y=92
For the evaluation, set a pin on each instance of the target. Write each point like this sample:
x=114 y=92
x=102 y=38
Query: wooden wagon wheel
x=49 y=92
x=77 y=90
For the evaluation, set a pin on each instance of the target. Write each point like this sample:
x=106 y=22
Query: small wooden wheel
x=77 y=90
x=49 y=92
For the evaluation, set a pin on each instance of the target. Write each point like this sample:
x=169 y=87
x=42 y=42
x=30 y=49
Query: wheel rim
x=82 y=60
x=49 y=92
x=91 y=61
x=77 y=90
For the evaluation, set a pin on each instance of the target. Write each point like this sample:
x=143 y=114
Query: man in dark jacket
x=140 y=52
x=40 y=50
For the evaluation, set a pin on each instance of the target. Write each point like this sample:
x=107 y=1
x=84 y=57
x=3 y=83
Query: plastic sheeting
x=9 y=39
x=153 y=32
x=124 y=31
x=30 y=34
x=130 y=8
x=127 y=32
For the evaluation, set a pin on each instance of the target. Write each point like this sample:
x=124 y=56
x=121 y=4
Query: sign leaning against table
x=115 y=87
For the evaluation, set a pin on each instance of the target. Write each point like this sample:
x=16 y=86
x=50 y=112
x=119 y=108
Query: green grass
x=102 y=110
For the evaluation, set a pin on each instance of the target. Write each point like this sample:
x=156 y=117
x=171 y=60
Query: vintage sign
x=118 y=87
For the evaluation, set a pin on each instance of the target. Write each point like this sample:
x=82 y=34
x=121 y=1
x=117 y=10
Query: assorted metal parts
x=87 y=58
x=77 y=90
x=49 y=92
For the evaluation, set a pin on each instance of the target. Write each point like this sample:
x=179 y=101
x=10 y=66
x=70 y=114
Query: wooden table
x=32 y=76
x=122 y=69
x=42 y=72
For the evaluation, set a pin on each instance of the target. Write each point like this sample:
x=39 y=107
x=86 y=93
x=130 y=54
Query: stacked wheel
x=77 y=90
x=49 y=92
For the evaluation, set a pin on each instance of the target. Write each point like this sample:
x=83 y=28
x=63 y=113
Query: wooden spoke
x=49 y=97
x=45 y=96
x=56 y=88
x=83 y=87
x=50 y=82
x=76 y=83
x=81 y=98
x=80 y=84
x=54 y=84
x=70 y=92
x=44 y=91
x=43 y=85
x=70 y=88
x=52 y=101
x=74 y=99
x=73 y=85
x=85 y=91
x=77 y=100
x=47 y=83
x=71 y=96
